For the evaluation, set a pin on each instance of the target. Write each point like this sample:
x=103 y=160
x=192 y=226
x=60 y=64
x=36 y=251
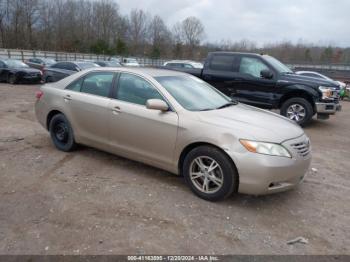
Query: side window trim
x=116 y=87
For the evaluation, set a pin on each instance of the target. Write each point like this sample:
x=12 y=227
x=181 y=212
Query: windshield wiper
x=231 y=103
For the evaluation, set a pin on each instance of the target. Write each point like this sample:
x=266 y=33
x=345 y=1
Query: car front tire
x=12 y=79
x=210 y=173
x=61 y=133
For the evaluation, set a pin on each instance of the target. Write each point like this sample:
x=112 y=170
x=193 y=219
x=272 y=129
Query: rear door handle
x=67 y=98
x=116 y=110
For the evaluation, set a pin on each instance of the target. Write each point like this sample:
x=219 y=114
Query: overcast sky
x=263 y=21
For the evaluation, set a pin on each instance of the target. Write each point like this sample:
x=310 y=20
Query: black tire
x=301 y=103
x=226 y=167
x=61 y=133
x=12 y=79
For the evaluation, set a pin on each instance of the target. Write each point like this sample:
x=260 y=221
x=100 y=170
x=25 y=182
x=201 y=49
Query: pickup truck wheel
x=297 y=109
x=210 y=174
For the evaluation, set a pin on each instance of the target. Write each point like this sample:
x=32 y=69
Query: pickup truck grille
x=302 y=148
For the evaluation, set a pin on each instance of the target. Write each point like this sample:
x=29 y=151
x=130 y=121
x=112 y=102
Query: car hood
x=249 y=122
x=311 y=81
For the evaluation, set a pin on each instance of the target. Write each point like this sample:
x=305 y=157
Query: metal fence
x=62 y=56
x=328 y=69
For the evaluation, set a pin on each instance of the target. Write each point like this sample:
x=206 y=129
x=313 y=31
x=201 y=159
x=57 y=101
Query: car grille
x=302 y=148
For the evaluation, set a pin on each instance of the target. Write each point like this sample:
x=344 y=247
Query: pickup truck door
x=250 y=87
x=221 y=72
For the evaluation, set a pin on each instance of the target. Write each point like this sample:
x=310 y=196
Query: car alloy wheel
x=296 y=112
x=206 y=174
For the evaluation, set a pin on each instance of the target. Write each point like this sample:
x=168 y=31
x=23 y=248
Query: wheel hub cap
x=206 y=174
x=296 y=112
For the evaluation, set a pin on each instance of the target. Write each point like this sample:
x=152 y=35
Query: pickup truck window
x=192 y=93
x=251 y=66
x=222 y=63
x=277 y=65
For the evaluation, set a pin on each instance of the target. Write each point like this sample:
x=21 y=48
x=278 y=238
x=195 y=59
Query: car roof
x=182 y=61
x=312 y=72
x=153 y=72
x=236 y=53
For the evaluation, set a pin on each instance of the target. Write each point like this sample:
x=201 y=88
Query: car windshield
x=192 y=93
x=49 y=61
x=280 y=67
x=86 y=65
x=197 y=65
x=15 y=63
x=112 y=63
x=131 y=60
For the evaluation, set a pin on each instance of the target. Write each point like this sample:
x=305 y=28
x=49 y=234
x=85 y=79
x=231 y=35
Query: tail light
x=39 y=94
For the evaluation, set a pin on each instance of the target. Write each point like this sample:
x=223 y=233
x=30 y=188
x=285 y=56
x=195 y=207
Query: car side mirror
x=266 y=73
x=157 y=104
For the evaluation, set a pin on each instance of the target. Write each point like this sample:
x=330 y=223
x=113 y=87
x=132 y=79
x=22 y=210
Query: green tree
x=121 y=47
x=100 y=47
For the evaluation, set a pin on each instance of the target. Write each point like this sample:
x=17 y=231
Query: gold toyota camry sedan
x=176 y=122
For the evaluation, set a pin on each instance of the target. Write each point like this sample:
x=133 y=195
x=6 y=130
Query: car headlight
x=265 y=148
x=326 y=92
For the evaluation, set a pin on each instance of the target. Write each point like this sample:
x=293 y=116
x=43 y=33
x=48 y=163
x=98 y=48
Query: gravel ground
x=91 y=202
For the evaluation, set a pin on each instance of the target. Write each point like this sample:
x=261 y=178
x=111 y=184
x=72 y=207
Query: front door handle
x=116 y=110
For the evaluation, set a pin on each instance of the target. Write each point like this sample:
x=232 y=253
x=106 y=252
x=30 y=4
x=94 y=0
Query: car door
x=87 y=100
x=137 y=132
x=251 y=88
x=60 y=70
x=3 y=71
x=221 y=73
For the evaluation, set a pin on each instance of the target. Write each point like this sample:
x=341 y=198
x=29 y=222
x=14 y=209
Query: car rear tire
x=210 y=173
x=61 y=133
x=12 y=79
x=298 y=109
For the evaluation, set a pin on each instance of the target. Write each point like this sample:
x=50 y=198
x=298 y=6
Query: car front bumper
x=263 y=174
x=328 y=108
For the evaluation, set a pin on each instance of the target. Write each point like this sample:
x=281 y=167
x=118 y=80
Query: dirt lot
x=91 y=202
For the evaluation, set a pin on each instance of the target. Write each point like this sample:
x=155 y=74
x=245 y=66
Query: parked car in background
x=178 y=123
x=116 y=59
x=61 y=70
x=40 y=63
x=15 y=71
x=111 y=63
x=132 y=62
x=342 y=85
x=183 y=64
x=263 y=81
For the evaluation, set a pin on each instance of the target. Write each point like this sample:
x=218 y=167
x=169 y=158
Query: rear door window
x=97 y=83
x=222 y=63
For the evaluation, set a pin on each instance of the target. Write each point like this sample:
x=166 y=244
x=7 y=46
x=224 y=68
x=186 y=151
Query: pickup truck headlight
x=265 y=148
x=326 y=92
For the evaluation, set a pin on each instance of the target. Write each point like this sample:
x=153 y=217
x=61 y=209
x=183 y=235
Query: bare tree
x=137 y=28
x=193 y=33
x=159 y=36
